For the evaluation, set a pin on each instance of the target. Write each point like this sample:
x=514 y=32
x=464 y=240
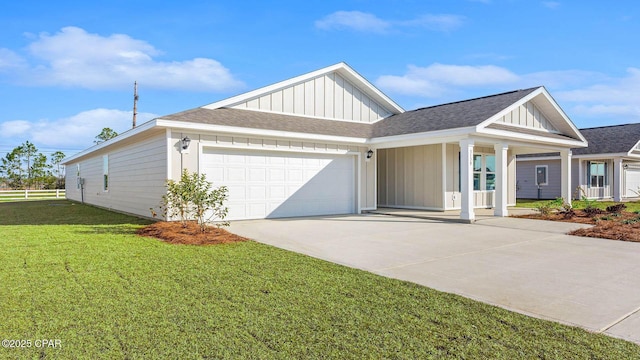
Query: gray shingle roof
x=440 y=117
x=271 y=121
x=448 y=116
x=609 y=139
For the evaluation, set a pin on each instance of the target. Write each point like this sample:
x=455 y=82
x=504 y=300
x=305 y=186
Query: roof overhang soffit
x=531 y=139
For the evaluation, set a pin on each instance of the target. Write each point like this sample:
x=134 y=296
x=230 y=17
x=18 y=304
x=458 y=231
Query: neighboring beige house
x=329 y=142
x=608 y=169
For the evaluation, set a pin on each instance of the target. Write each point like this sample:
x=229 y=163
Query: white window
x=105 y=173
x=484 y=172
x=597 y=174
x=78 y=183
x=542 y=175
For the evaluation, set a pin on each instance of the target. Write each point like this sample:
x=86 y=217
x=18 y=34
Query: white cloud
x=354 y=20
x=437 y=79
x=74 y=132
x=9 y=60
x=614 y=90
x=14 y=128
x=75 y=58
x=584 y=94
x=366 y=22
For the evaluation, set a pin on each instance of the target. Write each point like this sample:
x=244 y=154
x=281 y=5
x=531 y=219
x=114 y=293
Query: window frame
x=482 y=174
x=590 y=176
x=105 y=173
x=78 y=181
x=546 y=175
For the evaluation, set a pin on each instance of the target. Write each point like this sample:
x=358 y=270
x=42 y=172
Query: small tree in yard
x=193 y=198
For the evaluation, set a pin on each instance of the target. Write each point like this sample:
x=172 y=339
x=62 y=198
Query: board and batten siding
x=328 y=96
x=137 y=177
x=191 y=161
x=528 y=115
x=527 y=188
x=410 y=177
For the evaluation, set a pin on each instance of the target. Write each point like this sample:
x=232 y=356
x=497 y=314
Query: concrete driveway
x=528 y=266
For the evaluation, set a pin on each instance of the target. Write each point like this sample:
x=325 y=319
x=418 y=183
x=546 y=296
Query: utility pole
x=135 y=102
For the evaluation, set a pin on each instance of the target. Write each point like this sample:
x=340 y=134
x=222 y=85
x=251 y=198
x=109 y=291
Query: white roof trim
x=634 y=148
x=529 y=97
x=538 y=158
x=600 y=156
x=125 y=135
x=423 y=135
x=342 y=68
x=258 y=132
x=532 y=138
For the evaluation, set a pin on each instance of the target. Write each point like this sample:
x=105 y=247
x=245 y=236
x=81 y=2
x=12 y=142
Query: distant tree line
x=27 y=168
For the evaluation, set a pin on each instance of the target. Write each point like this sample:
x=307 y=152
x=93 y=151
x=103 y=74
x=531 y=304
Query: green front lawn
x=579 y=204
x=80 y=275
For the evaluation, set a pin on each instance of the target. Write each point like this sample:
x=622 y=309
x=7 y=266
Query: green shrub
x=193 y=199
x=547 y=207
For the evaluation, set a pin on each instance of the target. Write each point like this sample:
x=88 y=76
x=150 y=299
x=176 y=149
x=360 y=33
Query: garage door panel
x=277 y=174
x=257 y=174
x=270 y=185
x=632 y=182
x=236 y=174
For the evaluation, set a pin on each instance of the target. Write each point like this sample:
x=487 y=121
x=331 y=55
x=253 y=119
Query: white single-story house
x=329 y=142
x=609 y=168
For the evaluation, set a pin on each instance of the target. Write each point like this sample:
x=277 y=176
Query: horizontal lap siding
x=137 y=177
x=526 y=180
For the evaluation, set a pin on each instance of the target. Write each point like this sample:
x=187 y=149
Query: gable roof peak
x=341 y=68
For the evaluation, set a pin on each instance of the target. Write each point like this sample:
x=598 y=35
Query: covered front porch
x=464 y=157
x=457 y=178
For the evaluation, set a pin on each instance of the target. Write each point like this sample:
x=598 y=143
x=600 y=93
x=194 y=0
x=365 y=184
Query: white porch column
x=500 y=207
x=617 y=180
x=580 y=179
x=565 y=175
x=466 y=179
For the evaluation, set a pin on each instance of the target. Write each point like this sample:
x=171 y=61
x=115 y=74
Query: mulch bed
x=174 y=232
x=606 y=225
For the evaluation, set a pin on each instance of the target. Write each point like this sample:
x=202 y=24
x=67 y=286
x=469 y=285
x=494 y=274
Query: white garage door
x=281 y=184
x=631 y=182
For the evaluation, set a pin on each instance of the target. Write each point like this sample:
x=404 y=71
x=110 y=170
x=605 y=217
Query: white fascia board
x=599 y=156
x=125 y=135
x=563 y=114
x=371 y=89
x=261 y=133
x=634 y=148
x=541 y=90
x=341 y=68
x=430 y=137
x=538 y=158
x=533 y=138
x=509 y=108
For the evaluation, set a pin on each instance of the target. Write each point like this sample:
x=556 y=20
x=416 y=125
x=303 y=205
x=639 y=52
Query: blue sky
x=67 y=68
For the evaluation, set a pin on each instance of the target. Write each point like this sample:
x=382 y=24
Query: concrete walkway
x=528 y=266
